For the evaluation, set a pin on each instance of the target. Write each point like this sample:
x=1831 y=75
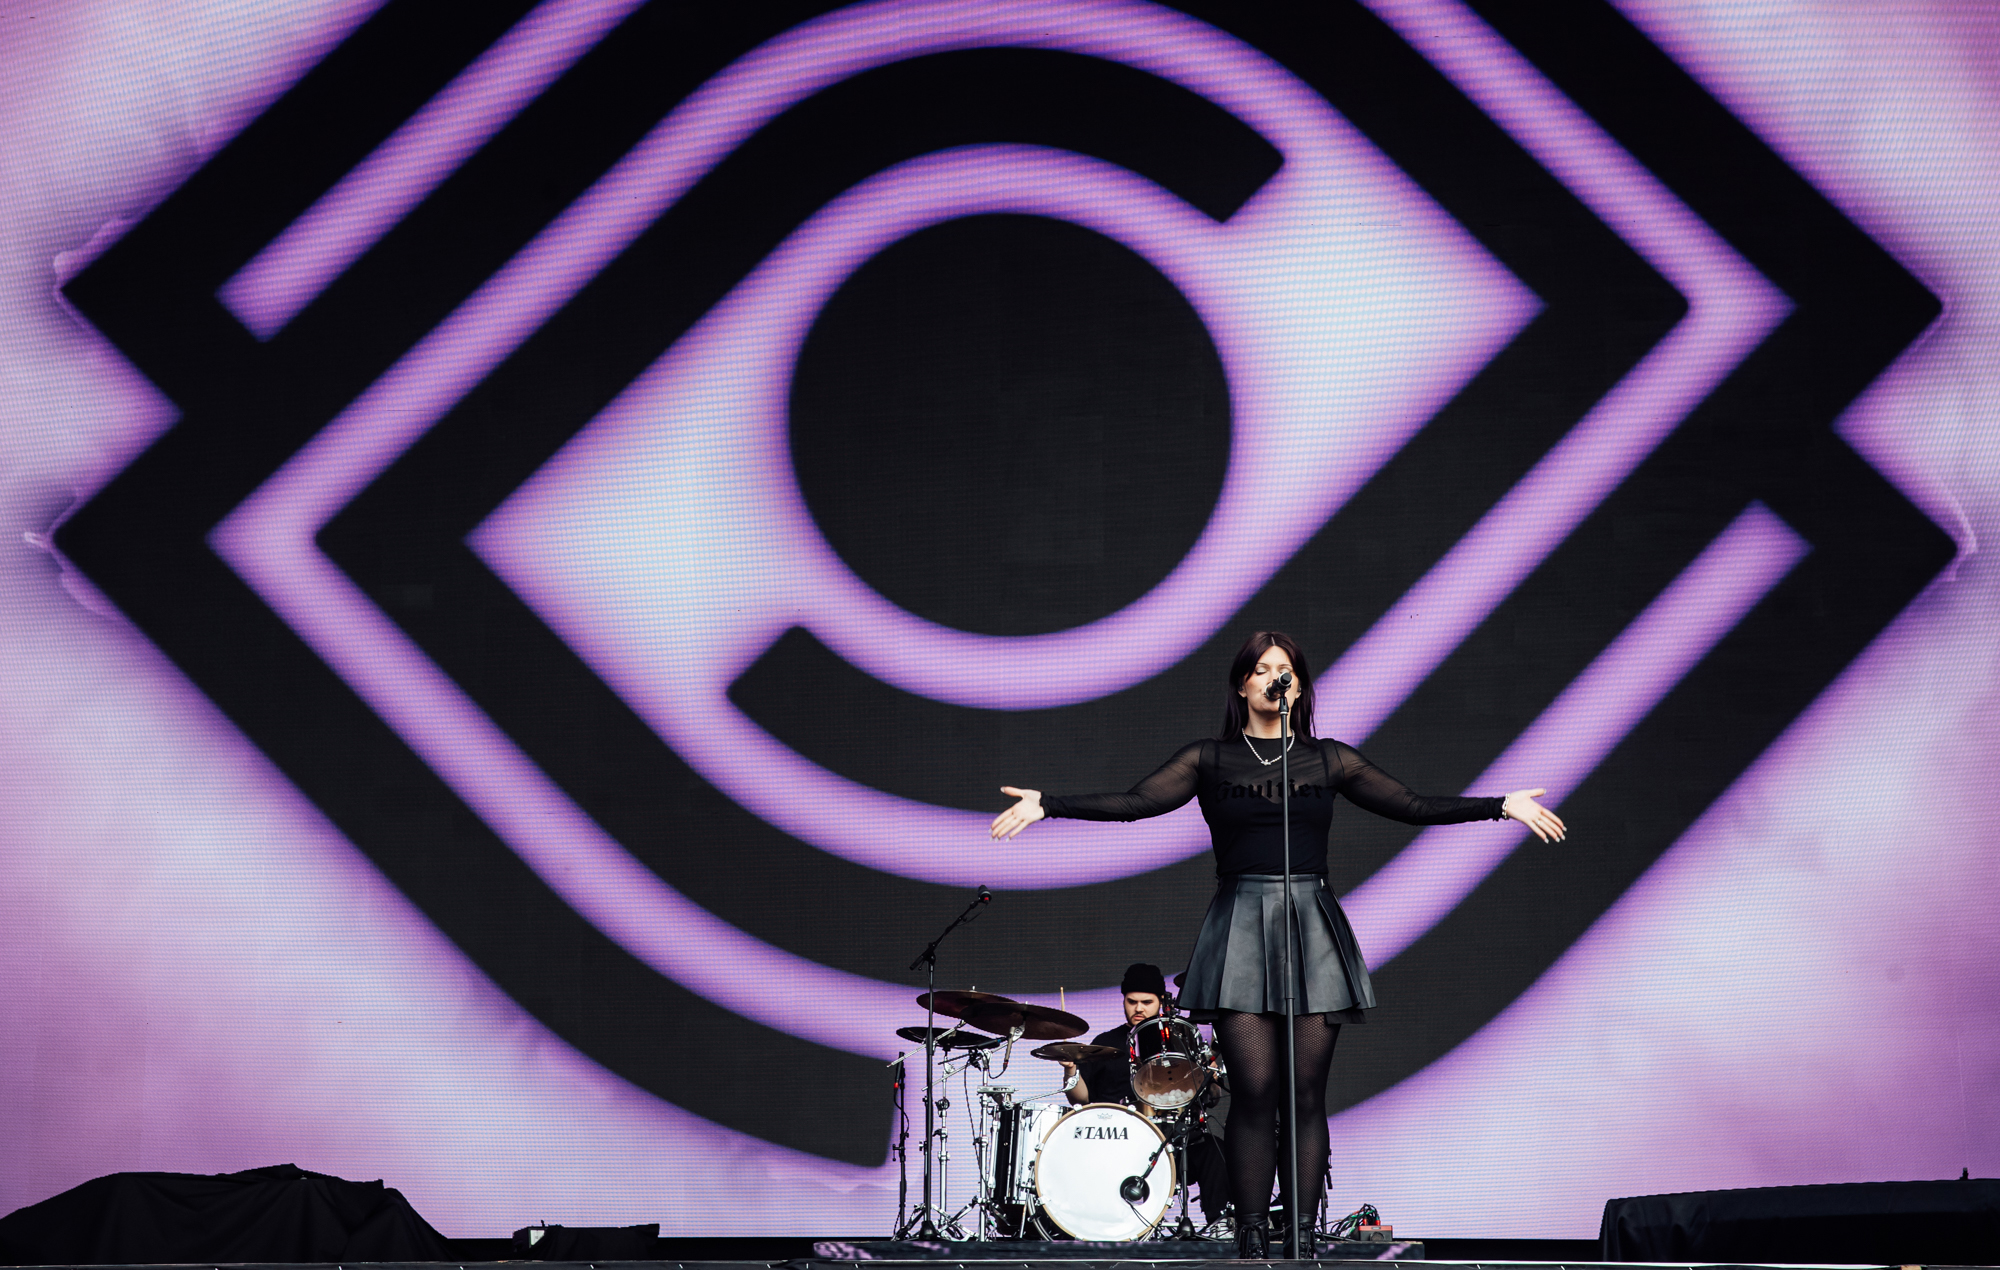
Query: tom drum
x=1168 y=1062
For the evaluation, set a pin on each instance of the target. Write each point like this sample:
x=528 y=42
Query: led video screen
x=542 y=530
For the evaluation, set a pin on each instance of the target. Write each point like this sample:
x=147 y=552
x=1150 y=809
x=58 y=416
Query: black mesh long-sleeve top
x=1239 y=799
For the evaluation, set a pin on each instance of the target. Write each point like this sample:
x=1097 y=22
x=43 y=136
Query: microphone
x=1133 y=1190
x=1279 y=686
x=985 y=896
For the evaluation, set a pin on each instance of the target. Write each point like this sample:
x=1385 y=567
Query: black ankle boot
x=1253 y=1237
x=1282 y=1240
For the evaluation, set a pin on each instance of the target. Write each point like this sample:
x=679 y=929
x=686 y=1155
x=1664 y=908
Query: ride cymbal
x=1037 y=1022
x=954 y=1004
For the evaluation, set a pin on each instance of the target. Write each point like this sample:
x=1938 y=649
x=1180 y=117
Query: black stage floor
x=1163 y=1252
x=1109 y=1262
x=1009 y=1256
x=1953 y=1223
x=777 y=1249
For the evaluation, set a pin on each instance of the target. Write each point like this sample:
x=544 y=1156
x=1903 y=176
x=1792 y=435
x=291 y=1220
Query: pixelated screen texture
x=201 y=974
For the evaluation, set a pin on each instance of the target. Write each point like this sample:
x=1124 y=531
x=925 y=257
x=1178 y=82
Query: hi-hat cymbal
x=1037 y=1022
x=1071 y=1052
x=954 y=1004
x=948 y=1039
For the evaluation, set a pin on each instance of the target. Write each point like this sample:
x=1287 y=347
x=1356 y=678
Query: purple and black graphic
x=547 y=525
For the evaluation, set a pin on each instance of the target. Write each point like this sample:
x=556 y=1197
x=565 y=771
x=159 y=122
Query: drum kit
x=1100 y=1171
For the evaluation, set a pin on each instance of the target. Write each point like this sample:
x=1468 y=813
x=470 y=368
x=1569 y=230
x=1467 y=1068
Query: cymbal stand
x=947 y=1225
x=926 y=1218
x=990 y=1103
x=953 y=1227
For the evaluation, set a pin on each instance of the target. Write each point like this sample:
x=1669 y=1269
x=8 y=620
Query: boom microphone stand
x=927 y=1226
x=1291 y=1043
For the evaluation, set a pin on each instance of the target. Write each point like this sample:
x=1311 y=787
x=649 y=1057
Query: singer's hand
x=1521 y=806
x=1018 y=817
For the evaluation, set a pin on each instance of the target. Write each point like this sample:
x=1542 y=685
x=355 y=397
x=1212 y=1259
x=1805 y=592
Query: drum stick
x=1062 y=995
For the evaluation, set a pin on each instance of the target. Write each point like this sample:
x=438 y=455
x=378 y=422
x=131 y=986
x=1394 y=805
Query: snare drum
x=1087 y=1157
x=1168 y=1063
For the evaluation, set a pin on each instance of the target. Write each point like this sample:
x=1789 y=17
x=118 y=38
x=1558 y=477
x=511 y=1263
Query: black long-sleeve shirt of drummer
x=1110 y=1079
x=1239 y=797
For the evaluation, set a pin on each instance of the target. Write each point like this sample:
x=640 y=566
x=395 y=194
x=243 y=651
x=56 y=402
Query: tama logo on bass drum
x=1100 y=1131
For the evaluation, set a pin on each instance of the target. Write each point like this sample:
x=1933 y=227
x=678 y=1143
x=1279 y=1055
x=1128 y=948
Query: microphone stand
x=902 y=1142
x=1291 y=1043
x=927 y=1227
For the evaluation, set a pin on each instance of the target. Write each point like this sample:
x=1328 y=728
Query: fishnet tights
x=1254 y=1047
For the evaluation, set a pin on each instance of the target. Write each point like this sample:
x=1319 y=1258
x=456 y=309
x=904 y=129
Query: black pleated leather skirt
x=1237 y=959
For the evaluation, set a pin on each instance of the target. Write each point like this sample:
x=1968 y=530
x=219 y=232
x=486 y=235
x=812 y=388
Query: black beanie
x=1141 y=977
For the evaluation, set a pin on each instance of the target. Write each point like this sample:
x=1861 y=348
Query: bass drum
x=1085 y=1160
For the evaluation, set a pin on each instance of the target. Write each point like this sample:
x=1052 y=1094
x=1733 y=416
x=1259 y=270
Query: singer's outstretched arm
x=1171 y=786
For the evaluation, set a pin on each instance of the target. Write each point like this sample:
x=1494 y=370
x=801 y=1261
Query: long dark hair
x=1236 y=711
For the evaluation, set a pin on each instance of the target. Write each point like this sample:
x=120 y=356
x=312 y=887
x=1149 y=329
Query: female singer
x=1233 y=975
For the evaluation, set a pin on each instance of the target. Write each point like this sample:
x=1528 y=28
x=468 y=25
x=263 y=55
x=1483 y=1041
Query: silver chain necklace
x=1268 y=761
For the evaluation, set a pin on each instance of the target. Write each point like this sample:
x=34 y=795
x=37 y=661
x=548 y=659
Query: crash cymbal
x=1071 y=1052
x=948 y=1039
x=1037 y=1022
x=955 y=1004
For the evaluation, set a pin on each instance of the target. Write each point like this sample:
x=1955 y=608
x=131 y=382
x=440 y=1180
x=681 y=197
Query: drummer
x=1110 y=1080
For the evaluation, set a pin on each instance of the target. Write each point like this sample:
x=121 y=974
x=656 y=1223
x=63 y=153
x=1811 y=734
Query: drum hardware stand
x=902 y=1143
x=952 y=1226
x=955 y=1225
x=947 y=1225
x=926 y=1217
x=953 y=1222
x=983 y=1060
x=942 y=1136
x=992 y=1100
x=976 y=1109
x=994 y=1172
x=1185 y=1127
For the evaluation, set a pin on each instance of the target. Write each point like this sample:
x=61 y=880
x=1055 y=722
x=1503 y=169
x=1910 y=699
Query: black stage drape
x=281 y=1213
x=1881 y=1223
